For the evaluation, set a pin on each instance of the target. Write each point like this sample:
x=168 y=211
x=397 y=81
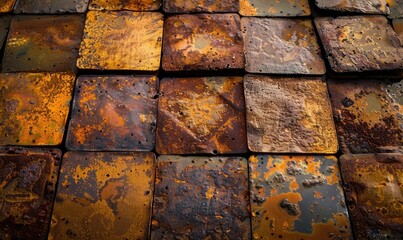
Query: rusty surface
x=289 y=115
x=283 y=46
x=360 y=43
x=134 y=5
x=34 y=107
x=275 y=8
x=398 y=27
x=27 y=188
x=185 y=6
x=4 y=26
x=113 y=113
x=368 y=114
x=43 y=43
x=7 y=6
x=396 y=8
x=51 y=6
x=358 y=6
x=297 y=197
x=201 y=198
x=202 y=42
x=103 y=196
x=373 y=186
x=134 y=41
x=201 y=115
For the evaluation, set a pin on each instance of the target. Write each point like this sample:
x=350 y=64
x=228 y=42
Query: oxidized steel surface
x=368 y=114
x=289 y=115
x=398 y=27
x=202 y=42
x=201 y=198
x=134 y=5
x=275 y=8
x=27 y=187
x=104 y=196
x=186 y=6
x=201 y=115
x=6 y=6
x=121 y=40
x=34 y=107
x=396 y=8
x=297 y=197
x=360 y=43
x=358 y=6
x=43 y=43
x=373 y=186
x=113 y=113
x=4 y=26
x=51 y=6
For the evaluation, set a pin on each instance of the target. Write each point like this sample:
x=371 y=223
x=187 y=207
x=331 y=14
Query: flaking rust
x=358 y=6
x=51 y=6
x=275 y=8
x=398 y=27
x=7 y=6
x=201 y=198
x=396 y=8
x=297 y=197
x=103 y=196
x=134 y=5
x=4 y=26
x=185 y=6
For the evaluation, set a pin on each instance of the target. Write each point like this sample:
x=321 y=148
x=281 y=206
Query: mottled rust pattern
x=289 y=115
x=122 y=40
x=4 y=26
x=275 y=8
x=373 y=186
x=283 y=46
x=113 y=113
x=201 y=198
x=51 y=6
x=134 y=5
x=103 y=196
x=201 y=115
x=27 y=188
x=186 y=6
x=6 y=6
x=358 y=6
x=202 y=42
x=360 y=43
x=297 y=197
x=396 y=8
x=368 y=114
x=34 y=107
x=398 y=27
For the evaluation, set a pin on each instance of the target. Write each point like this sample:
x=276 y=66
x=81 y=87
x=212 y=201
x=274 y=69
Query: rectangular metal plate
x=297 y=197
x=275 y=8
x=357 y=6
x=201 y=198
x=121 y=40
x=185 y=6
x=103 y=196
x=4 y=26
x=134 y=5
x=7 y=6
x=398 y=27
x=396 y=8
x=113 y=113
x=201 y=115
x=51 y=6
x=202 y=42
x=27 y=188
x=289 y=115
x=34 y=107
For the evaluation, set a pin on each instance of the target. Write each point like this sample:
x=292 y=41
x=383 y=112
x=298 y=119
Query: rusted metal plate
x=51 y=6
x=4 y=26
x=34 y=107
x=134 y=41
x=358 y=6
x=103 y=196
x=6 y=6
x=275 y=8
x=368 y=114
x=201 y=198
x=289 y=115
x=396 y=8
x=27 y=188
x=134 y=5
x=202 y=42
x=398 y=27
x=185 y=6
x=113 y=113
x=360 y=43
x=43 y=43
x=201 y=115
x=297 y=197
x=373 y=186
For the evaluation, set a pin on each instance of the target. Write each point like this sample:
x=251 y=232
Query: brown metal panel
x=51 y=6
x=185 y=6
x=275 y=8
x=358 y=6
x=398 y=27
x=201 y=115
x=4 y=26
x=134 y=5
x=103 y=196
x=7 y=6
x=396 y=8
x=201 y=198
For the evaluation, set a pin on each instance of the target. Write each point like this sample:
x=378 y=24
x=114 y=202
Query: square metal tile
x=4 y=27
x=396 y=8
x=134 y=5
x=51 y=6
x=7 y=6
x=398 y=27
x=275 y=8
x=185 y=6
x=357 y=6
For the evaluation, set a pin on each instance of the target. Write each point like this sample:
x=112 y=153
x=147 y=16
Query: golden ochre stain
x=7 y=6
x=136 y=5
x=274 y=8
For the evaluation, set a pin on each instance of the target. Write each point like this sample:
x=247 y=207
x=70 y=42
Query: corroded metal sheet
x=7 y=6
x=134 y=41
x=4 y=26
x=360 y=43
x=398 y=27
x=368 y=114
x=396 y=8
x=113 y=113
x=201 y=198
x=358 y=6
x=134 y=5
x=373 y=186
x=281 y=46
x=103 y=196
x=275 y=8
x=297 y=197
x=289 y=115
x=202 y=42
x=27 y=187
x=43 y=43
x=34 y=107
x=185 y=6
x=51 y=6
x=201 y=115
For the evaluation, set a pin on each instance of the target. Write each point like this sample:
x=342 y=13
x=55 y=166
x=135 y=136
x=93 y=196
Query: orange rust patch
x=7 y=6
x=134 y=5
x=275 y=8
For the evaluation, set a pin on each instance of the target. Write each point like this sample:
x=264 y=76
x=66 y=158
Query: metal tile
x=34 y=107
x=4 y=26
x=398 y=27
x=357 y=6
x=185 y=6
x=134 y=5
x=373 y=186
x=7 y=6
x=297 y=197
x=289 y=115
x=51 y=6
x=121 y=40
x=201 y=198
x=202 y=42
x=396 y=8
x=43 y=43
x=201 y=115
x=27 y=188
x=275 y=8
x=360 y=43
x=113 y=113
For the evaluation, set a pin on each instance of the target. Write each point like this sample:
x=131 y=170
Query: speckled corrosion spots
x=398 y=27
x=359 y=6
x=185 y=6
x=51 y=6
x=134 y=5
x=275 y=8
x=7 y=6
x=4 y=26
x=396 y=8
